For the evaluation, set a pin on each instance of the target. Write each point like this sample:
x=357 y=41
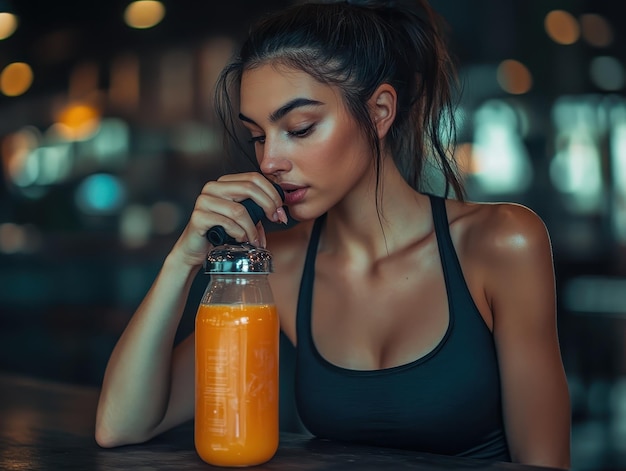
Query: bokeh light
x=143 y=14
x=596 y=30
x=607 y=73
x=499 y=163
x=100 y=194
x=16 y=148
x=16 y=79
x=12 y=238
x=17 y=238
x=135 y=226
x=78 y=121
x=562 y=27
x=514 y=77
x=576 y=168
x=8 y=24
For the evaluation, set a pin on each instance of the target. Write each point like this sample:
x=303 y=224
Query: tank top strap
x=456 y=287
x=442 y=228
x=305 y=295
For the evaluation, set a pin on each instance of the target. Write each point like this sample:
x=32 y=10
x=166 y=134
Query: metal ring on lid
x=238 y=258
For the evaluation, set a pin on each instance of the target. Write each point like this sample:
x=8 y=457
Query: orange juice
x=236 y=409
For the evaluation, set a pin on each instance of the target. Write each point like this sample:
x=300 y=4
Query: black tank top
x=446 y=402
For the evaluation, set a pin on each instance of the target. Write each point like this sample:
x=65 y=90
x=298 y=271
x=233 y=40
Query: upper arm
x=520 y=288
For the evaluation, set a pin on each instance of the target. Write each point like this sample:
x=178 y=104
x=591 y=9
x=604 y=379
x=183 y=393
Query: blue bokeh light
x=100 y=193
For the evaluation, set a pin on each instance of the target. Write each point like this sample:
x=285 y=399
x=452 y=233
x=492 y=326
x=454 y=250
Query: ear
x=382 y=105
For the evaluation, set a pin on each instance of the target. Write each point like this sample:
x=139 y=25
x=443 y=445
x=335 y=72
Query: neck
x=359 y=225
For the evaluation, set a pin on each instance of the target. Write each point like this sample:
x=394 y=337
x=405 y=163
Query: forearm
x=137 y=382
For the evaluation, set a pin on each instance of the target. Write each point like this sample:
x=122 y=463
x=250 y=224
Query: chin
x=303 y=216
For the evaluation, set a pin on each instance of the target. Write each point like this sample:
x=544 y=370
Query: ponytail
x=357 y=45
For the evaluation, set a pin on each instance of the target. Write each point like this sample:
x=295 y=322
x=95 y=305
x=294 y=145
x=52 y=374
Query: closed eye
x=255 y=139
x=301 y=132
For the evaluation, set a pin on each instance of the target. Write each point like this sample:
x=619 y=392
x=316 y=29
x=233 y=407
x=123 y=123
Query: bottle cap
x=238 y=258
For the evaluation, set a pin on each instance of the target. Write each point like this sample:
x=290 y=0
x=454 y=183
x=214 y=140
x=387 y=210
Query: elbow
x=108 y=437
x=560 y=464
x=560 y=460
x=106 y=434
x=111 y=431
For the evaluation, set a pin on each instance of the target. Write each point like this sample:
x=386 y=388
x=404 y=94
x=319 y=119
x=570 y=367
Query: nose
x=272 y=158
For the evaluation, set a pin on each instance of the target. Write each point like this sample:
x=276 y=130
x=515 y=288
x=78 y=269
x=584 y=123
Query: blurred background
x=107 y=135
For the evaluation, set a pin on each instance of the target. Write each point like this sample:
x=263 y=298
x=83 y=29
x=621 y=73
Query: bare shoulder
x=498 y=230
x=506 y=255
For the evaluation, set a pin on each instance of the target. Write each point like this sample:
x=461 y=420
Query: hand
x=219 y=204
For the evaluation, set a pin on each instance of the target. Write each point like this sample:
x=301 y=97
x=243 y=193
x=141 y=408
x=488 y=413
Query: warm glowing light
x=8 y=24
x=78 y=121
x=12 y=238
x=16 y=79
x=562 y=27
x=124 y=82
x=514 y=77
x=83 y=81
x=596 y=30
x=16 y=148
x=143 y=14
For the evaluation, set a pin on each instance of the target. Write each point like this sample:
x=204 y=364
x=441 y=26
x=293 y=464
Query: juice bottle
x=236 y=349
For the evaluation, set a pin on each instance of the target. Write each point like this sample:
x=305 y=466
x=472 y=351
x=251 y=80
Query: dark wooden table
x=49 y=426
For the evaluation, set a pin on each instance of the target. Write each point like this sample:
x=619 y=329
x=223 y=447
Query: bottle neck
x=238 y=288
x=238 y=277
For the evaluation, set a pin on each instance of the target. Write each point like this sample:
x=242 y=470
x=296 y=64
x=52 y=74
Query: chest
x=372 y=319
x=448 y=402
x=390 y=363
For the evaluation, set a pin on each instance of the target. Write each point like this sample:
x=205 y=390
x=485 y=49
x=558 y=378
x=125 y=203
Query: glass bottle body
x=236 y=349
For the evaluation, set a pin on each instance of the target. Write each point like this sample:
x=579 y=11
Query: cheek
x=341 y=144
x=352 y=151
x=335 y=164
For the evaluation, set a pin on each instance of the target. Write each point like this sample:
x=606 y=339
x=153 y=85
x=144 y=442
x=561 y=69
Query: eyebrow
x=286 y=108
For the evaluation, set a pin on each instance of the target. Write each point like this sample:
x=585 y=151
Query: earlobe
x=383 y=108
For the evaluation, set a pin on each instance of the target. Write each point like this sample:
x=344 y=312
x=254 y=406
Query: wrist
x=180 y=264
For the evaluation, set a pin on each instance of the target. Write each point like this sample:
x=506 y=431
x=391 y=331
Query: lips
x=293 y=194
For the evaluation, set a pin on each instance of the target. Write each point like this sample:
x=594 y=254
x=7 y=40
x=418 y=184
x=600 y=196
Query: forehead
x=271 y=86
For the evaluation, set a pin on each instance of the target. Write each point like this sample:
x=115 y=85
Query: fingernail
x=282 y=215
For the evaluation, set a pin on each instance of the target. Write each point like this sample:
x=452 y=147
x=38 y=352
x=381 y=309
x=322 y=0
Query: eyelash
x=300 y=133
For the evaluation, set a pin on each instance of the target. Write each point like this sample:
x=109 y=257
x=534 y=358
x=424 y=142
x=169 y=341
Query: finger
x=254 y=186
x=232 y=216
x=262 y=238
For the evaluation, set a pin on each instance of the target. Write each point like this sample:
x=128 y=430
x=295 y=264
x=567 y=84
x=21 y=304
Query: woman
x=422 y=322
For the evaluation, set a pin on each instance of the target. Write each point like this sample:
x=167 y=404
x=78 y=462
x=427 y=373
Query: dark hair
x=357 y=46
